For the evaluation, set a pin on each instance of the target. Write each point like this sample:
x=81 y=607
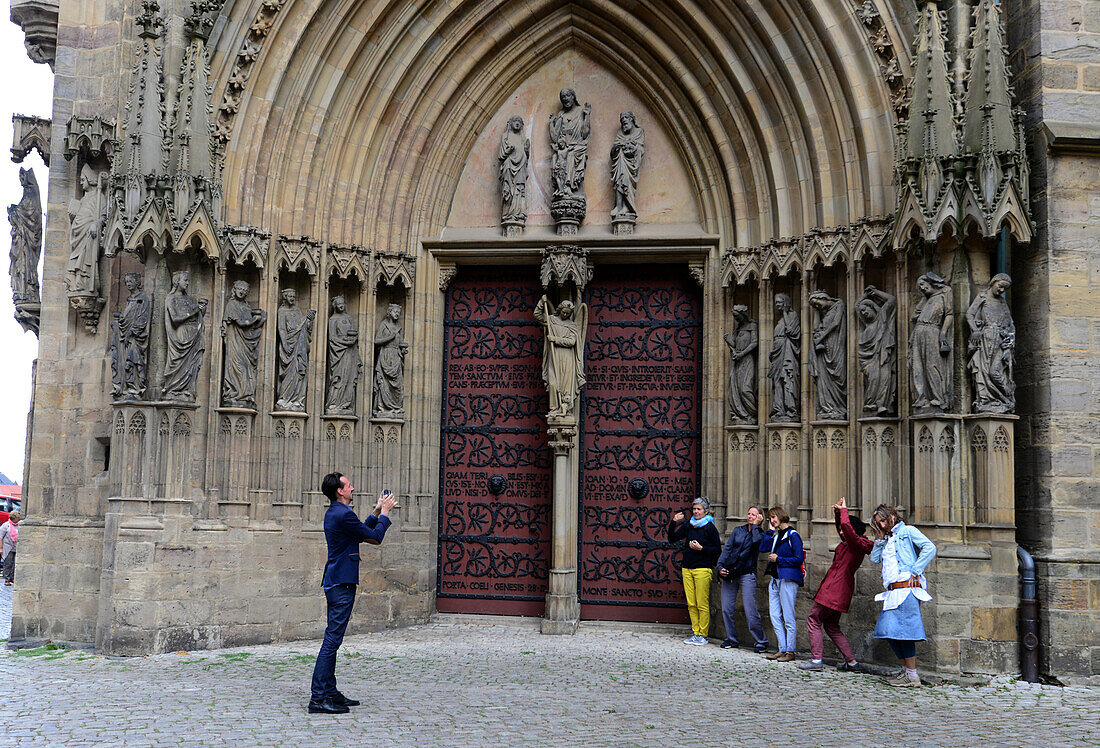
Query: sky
x=25 y=88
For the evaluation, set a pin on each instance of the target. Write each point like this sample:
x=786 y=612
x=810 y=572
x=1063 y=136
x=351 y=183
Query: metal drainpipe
x=1029 y=618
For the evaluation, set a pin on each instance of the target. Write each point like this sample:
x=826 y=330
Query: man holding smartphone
x=343 y=534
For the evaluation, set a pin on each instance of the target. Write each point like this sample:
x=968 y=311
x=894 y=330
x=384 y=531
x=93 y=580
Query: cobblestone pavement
x=457 y=683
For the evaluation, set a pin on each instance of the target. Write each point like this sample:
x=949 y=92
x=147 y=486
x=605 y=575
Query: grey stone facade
x=242 y=155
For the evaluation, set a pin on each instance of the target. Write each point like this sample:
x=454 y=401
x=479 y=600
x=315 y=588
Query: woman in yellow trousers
x=700 y=554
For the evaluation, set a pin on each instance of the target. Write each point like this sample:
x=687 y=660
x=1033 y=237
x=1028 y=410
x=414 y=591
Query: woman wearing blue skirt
x=904 y=552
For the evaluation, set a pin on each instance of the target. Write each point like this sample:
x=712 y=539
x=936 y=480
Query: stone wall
x=1056 y=49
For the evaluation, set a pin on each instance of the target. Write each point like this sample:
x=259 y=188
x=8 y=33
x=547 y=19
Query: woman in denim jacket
x=904 y=552
x=785 y=559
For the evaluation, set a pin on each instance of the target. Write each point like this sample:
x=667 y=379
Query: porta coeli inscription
x=494 y=550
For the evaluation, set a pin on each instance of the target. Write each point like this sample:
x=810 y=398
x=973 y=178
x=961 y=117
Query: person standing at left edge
x=343 y=534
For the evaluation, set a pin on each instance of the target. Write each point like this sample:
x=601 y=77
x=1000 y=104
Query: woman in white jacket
x=904 y=552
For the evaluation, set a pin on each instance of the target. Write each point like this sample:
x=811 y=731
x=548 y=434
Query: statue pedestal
x=511 y=228
x=385 y=455
x=563 y=609
x=290 y=462
x=878 y=477
x=623 y=226
x=937 y=469
x=233 y=451
x=784 y=466
x=992 y=442
x=828 y=466
x=742 y=470
x=568 y=213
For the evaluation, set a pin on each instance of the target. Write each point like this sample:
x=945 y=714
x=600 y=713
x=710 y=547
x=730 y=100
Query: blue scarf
x=701 y=522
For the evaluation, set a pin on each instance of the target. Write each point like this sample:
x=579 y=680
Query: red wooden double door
x=640 y=443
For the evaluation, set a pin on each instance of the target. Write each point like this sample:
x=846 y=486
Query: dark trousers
x=747 y=584
x=340 y=600
x=903 y=648
x=823 y=618
x=9 y=566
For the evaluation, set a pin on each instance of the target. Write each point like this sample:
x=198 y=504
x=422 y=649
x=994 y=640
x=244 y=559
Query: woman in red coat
x=835 y=593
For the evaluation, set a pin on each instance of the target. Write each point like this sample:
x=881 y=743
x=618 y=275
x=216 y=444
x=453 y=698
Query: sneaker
x=844 y=667
x=760 y=648
x=904 y=680
x=699 y=640
x=690 y=639
x=729 y=644
x=785 y=657
x=811 y=665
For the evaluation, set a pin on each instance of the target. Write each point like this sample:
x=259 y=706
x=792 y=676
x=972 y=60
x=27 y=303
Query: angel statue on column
x=563 y=354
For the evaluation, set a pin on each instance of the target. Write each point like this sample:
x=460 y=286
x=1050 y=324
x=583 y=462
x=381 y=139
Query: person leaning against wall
x=786 y=559
x=737 y=571
x=904 y=553
x=700 y=555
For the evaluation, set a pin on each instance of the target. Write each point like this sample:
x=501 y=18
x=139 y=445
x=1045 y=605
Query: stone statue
x=742 y=342
x=26 y=240
x=295 y=329
x=828 y=364
x=185 y=325
x=241 y=329
x=992 y=345
x=514 y=157
x=569 y=130
x=563 y=352
x=784 y=362
x=390 y=349
x=930 y=345
x=344 y=363
x=627 y=152
x=130 y=343
x=878 y=350
x=85 y=215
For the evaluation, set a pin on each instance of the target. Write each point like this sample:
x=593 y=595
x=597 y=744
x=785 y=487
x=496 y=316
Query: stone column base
x=563 y=614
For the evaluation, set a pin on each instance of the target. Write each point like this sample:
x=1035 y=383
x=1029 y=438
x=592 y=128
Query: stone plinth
x=878 y=478
x=828 y=466
x=784 y=478
x=742 y=469
x=937 y=469
x=992 y=469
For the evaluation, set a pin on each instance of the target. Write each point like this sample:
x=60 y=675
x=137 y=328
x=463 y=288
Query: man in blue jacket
x=343 y=534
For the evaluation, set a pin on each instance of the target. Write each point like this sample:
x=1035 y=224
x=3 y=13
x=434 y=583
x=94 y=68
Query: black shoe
x=760 y=648
x=729 y=644
x=327 y=706
x=341 y=700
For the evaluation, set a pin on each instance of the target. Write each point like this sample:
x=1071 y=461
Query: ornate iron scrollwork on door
x=493 y=553
x=641 y=433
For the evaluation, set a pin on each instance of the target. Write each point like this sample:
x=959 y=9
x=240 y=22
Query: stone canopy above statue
x=664 y=192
